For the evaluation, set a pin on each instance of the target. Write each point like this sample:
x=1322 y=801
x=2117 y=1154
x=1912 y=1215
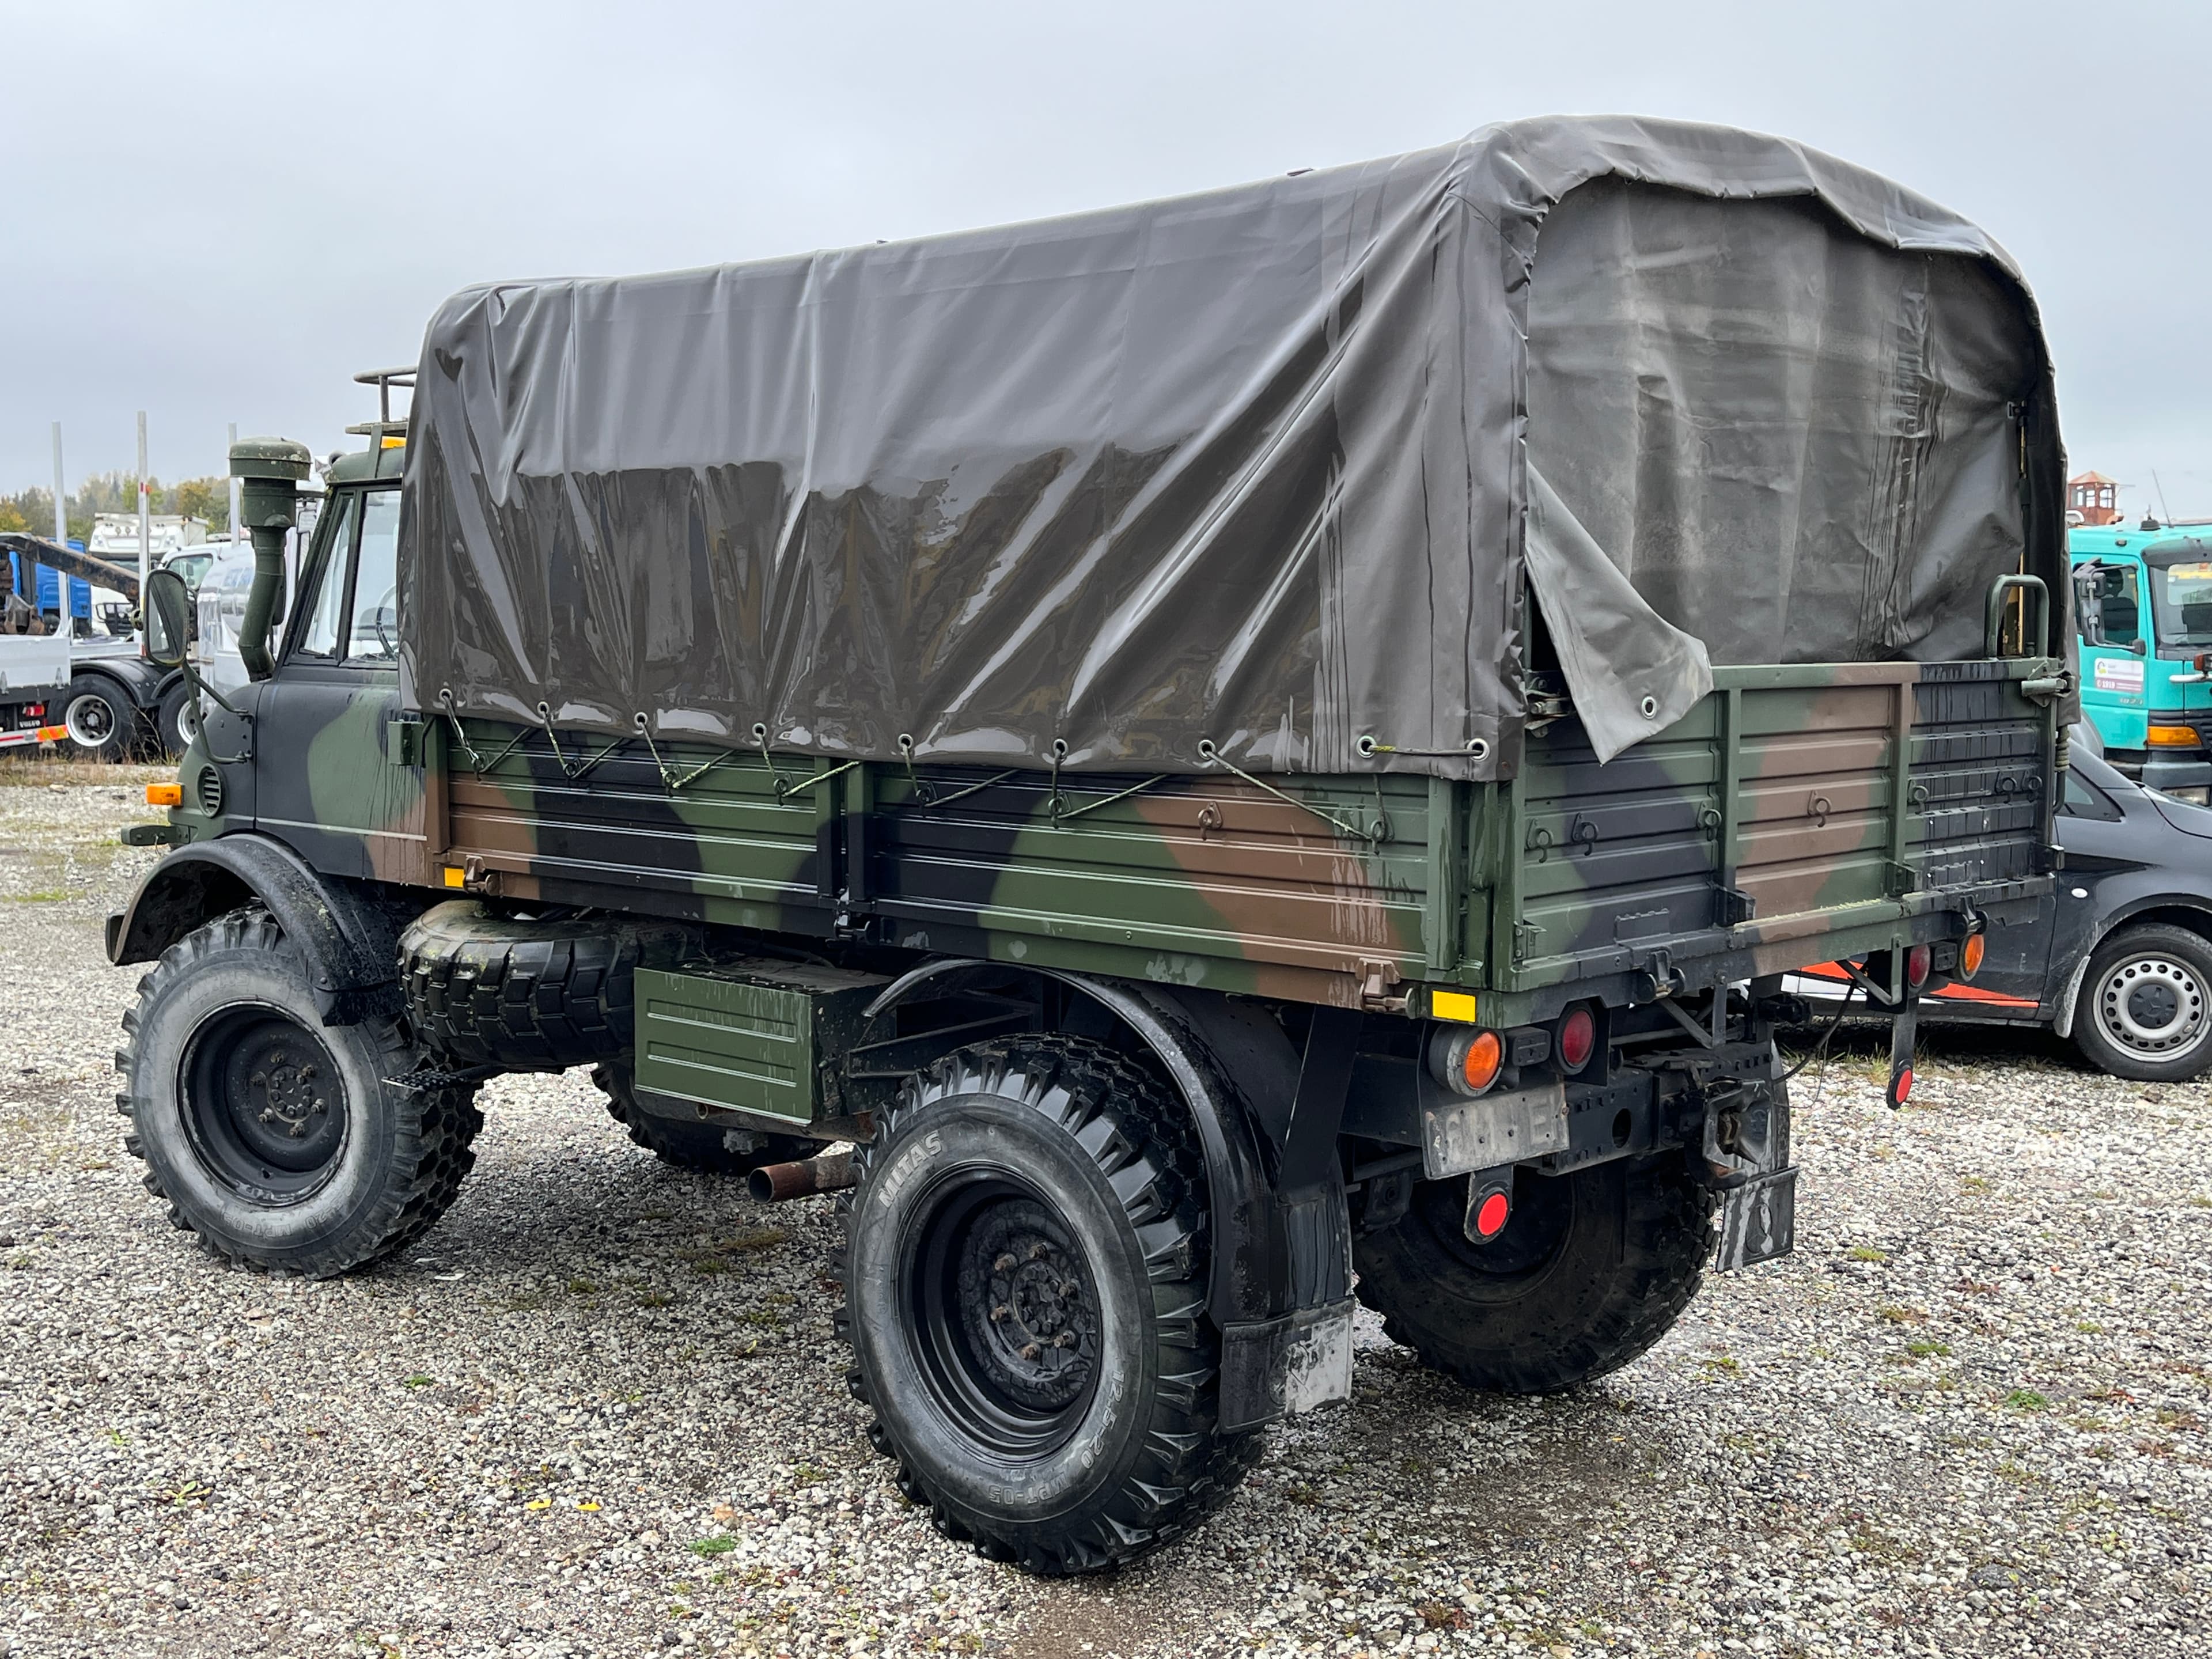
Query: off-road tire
x=2112 y=1041
x=702 y=1146
x=401 y=1150
x=1616 y=1253
x=103 y=723
x=523 y=995
x=1095 y=1150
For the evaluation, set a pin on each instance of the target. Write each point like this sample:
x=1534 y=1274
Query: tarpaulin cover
x=1271 y=468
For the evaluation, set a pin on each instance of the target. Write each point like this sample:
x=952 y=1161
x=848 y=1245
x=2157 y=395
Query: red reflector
x=1901 y=1090
x=1577 y=1036
x=1490 y=1215
x=1918 y=961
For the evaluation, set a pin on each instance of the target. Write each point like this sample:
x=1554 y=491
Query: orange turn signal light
x=165 y=794
x=1970 y=956
x=1479 y=1067
x=2172 y=737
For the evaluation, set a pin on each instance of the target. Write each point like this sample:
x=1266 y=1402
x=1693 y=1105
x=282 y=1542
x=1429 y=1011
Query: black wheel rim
x=1003 y=1312
x=1536 y=1234
x=263 y=1103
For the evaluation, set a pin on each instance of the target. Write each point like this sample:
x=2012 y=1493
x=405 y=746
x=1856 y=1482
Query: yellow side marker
x=165 y=794
x=1452 y=1005
x=2172 y=737
x=454 y=877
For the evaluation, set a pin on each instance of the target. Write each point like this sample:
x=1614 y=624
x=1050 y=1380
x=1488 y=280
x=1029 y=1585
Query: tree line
x=33 y=509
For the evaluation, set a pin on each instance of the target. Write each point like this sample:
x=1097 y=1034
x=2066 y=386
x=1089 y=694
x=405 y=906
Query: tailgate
x=1796 y=801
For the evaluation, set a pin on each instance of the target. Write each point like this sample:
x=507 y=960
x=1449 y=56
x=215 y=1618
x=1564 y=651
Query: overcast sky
x=220 y=213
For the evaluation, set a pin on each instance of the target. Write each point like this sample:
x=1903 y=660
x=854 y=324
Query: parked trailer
x=1221 y=743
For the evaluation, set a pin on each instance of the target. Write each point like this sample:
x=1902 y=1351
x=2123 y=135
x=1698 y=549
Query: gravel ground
x=600 y=1409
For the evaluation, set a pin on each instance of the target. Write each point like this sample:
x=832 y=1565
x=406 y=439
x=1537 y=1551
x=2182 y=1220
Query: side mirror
x=168 y=608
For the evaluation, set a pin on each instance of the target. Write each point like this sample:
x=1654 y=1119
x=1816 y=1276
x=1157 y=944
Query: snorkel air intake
x=270 y=470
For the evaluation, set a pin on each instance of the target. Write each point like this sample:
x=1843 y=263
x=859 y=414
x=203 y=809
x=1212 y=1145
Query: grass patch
x=582 y=1287
x=1903 y=1315
x=417 y=1380
x=2026 y=1400
x=44 y=895
x=1868 y=1253
x=710 y=1546
x=1929 y=1349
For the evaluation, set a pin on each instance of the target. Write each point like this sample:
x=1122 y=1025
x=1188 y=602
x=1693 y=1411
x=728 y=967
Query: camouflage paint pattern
x=1797 y=815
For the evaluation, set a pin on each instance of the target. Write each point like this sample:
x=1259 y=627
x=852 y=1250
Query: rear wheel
x=178 y=721
x=694 y=1145
x=277 y=1139
x=1590 y=1270
x=102 y=723
x=2146 y=1006
x=1025 y=1296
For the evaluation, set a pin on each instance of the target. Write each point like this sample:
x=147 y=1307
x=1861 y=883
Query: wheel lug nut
x=1038 y=1252
x=1031 y=1350
x=1000 y=1314
x=1068 y=1287
x=267 y=1116
x=1004 y=1264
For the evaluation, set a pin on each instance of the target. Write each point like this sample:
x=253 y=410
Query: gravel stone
x=600 y=1408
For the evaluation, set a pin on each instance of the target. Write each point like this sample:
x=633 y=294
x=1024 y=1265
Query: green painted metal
x=749 y=1036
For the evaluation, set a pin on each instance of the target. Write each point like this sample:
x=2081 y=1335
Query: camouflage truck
x=1251 y=754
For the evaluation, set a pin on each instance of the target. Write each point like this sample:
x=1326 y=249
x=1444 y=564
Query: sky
x=220 y=213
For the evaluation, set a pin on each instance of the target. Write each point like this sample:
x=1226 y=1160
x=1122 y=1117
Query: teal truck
x=2142 y=611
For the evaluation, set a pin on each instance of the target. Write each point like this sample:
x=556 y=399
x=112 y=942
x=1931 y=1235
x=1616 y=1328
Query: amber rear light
x=1465 y=1062
x=1970 y=956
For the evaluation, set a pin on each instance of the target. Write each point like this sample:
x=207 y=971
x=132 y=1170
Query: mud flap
x=1758 y=1220
x=1904 y=1033
x=1285 y=1365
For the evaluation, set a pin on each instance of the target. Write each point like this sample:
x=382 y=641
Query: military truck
x=1252 y=754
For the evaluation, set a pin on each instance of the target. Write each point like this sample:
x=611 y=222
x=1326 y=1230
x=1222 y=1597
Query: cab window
x=350 y=595
x=2109 y=612
x=376 y=582
x=2085 y=800
x=323 y=625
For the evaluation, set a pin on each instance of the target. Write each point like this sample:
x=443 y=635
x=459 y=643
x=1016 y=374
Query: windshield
x=2181 y=599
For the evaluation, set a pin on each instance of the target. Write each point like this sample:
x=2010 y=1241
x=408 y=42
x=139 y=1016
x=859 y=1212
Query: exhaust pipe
x=270 y=470
x=772 y=1183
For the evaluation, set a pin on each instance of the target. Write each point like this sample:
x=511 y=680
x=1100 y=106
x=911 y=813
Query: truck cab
x=2144 y=615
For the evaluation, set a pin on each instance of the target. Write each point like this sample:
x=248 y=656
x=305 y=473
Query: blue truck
x=2142 y=609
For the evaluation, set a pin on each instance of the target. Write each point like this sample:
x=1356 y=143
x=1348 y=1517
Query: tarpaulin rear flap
x=1797 y=445
x=1243 y=467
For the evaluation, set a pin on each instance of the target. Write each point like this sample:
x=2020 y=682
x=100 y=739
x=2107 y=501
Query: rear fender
x=350 y=945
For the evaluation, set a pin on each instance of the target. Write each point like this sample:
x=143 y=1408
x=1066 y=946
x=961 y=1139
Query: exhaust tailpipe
x=772 y=1183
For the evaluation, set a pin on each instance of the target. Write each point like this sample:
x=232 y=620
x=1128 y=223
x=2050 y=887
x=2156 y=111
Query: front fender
x=351 y=946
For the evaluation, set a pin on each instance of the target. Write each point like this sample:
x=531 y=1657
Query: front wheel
x=2146 y=1006
x=1590 y=1270
x=277 y=1140
x=1025 y=1297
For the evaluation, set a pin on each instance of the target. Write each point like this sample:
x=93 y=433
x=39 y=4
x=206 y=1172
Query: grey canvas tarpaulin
x=1270 y=466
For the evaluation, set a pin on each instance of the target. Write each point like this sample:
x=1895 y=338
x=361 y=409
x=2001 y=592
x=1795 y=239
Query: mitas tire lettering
x=909 y=1164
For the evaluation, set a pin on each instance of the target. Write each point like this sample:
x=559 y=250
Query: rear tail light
x=1577 y=1040
x=1465 y=1062
x=1917 y=962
